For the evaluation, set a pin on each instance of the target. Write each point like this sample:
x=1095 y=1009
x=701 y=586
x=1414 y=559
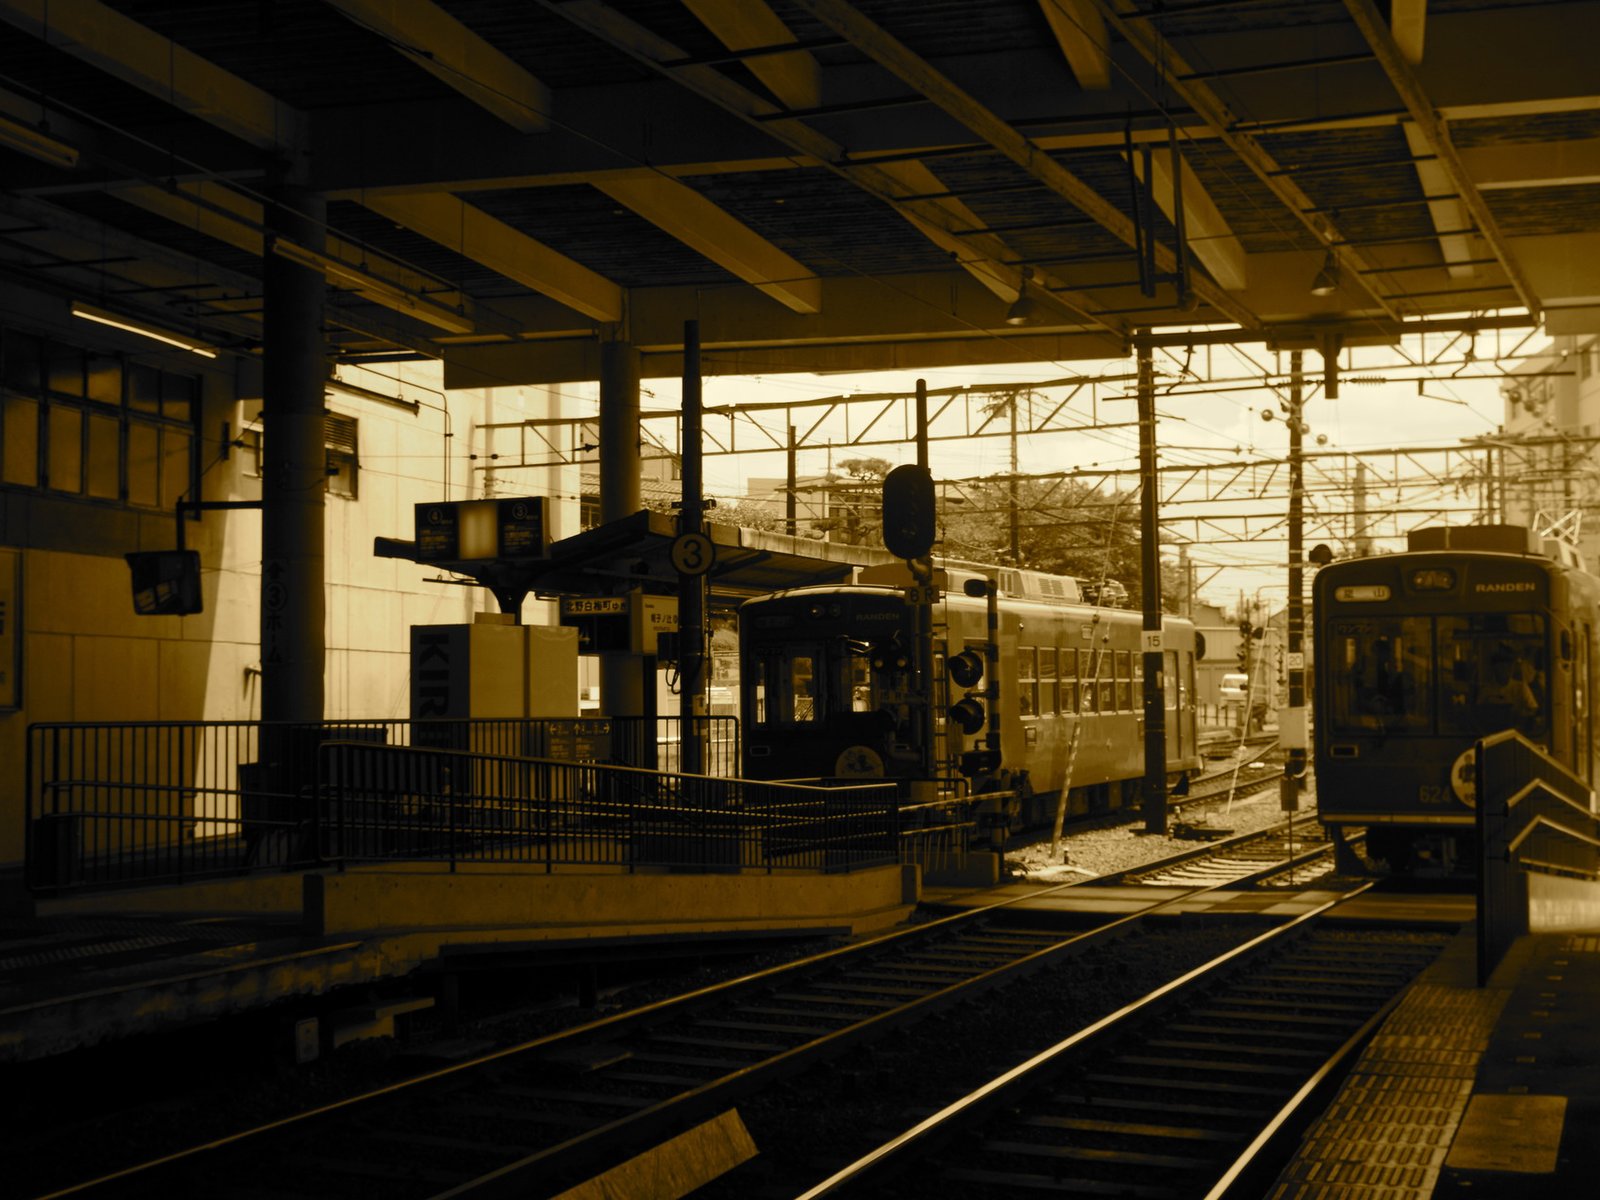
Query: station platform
x=1471 y=1093
x=89 y=969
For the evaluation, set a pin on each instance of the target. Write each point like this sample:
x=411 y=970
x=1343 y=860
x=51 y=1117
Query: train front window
x=802 y=697
x=1381 y=674
x=1492 y=673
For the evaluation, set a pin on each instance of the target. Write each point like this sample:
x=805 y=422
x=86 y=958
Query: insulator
x=1366 y=380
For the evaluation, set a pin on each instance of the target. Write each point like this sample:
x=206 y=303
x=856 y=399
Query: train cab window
x=802 y=689
x=1069 y=681
x=1049 y=697
x=1027 y=681
x=1493 y=674
x=758 y=693
x=1381 y=675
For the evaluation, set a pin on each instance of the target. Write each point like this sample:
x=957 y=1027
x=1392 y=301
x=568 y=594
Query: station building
x=104 y=431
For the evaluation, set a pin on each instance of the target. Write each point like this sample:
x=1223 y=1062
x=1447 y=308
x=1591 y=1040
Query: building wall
x=87 y=657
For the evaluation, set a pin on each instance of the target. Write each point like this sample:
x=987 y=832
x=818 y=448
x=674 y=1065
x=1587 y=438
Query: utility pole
x=1292 y=726
x=1155 y=713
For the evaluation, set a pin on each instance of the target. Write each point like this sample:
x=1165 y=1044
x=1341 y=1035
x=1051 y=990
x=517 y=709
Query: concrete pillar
x=295 y=470
x=622 y=682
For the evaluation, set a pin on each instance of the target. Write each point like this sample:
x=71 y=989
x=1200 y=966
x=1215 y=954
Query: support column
x=294 y=475
x=1155 y=711
x=622 y=676
x=692 y=587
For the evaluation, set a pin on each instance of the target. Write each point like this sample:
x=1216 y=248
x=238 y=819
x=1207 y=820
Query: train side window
x=1027 y=681
x=1069 y=681
x=1100 y=685
x=1049 y=696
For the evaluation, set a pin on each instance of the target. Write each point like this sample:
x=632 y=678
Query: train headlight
x=968 y=714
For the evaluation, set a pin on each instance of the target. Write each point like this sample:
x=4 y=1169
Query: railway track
x=1179 y=1095
x=533 y=1118
x=1241 y=860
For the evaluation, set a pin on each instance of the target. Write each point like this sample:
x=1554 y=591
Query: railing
x=1532 y=815
x=419 y=804
x=117 y=804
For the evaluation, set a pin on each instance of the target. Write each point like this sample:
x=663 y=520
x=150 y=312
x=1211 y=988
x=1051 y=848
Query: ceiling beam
x=1081 y=33
x=1447 y=213
x=474 y=234
x=1407 y=21
x=917 y=73
x=1156 y=50
x=635 y=40
x=795 y=78
x=1210 y=238
x=677 y=209
x=237 y=220
x=101 y=36
x=432 y=39
x=1437 y=136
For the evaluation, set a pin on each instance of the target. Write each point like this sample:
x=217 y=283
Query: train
x=1050 y=701
x=1470 y=631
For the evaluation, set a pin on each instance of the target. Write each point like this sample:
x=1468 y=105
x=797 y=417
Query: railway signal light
x=980 y=762
x=966 y=668
x=1243 y=657
x=910 y=511
x=969 y=714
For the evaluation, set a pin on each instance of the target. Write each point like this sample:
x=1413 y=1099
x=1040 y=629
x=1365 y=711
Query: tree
x=854 y=502
x=1063 y=527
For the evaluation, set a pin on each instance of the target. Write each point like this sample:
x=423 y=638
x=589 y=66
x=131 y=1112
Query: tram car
x=827 y=690
x=1472 y=630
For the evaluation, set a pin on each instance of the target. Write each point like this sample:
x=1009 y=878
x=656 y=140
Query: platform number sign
x=693 y=554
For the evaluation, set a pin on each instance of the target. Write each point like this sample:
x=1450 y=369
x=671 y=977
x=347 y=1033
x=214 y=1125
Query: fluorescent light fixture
x=36 y=143
x=379 y=291
x=131 y=325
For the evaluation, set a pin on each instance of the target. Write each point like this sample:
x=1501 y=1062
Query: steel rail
x=897 y=1152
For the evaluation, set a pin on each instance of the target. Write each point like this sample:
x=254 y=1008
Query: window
x=1106 y=680
x=89 y=424
x=339 y=436
x=1124 y=681
x=341 y=446
x=1069 y=681
x=1049 y=697
x=1027 y=681
x=1381 y=675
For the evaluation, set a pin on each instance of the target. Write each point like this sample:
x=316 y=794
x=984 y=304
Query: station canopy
x=822 y=185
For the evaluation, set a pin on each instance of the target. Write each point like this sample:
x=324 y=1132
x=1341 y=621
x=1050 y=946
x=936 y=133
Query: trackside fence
x=389 y=802
x=119 y=804
x=1532 y=815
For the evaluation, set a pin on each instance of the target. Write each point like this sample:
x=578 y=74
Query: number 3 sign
x=693 y=554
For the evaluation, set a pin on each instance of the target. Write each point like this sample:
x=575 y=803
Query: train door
x=1582 y=690
x=1172 y=698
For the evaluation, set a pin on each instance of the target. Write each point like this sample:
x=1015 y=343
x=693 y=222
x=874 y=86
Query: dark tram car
x=1471 y=631
x=826 y=678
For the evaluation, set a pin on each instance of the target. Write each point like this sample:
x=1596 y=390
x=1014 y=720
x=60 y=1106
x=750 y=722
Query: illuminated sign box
x=454 y=531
